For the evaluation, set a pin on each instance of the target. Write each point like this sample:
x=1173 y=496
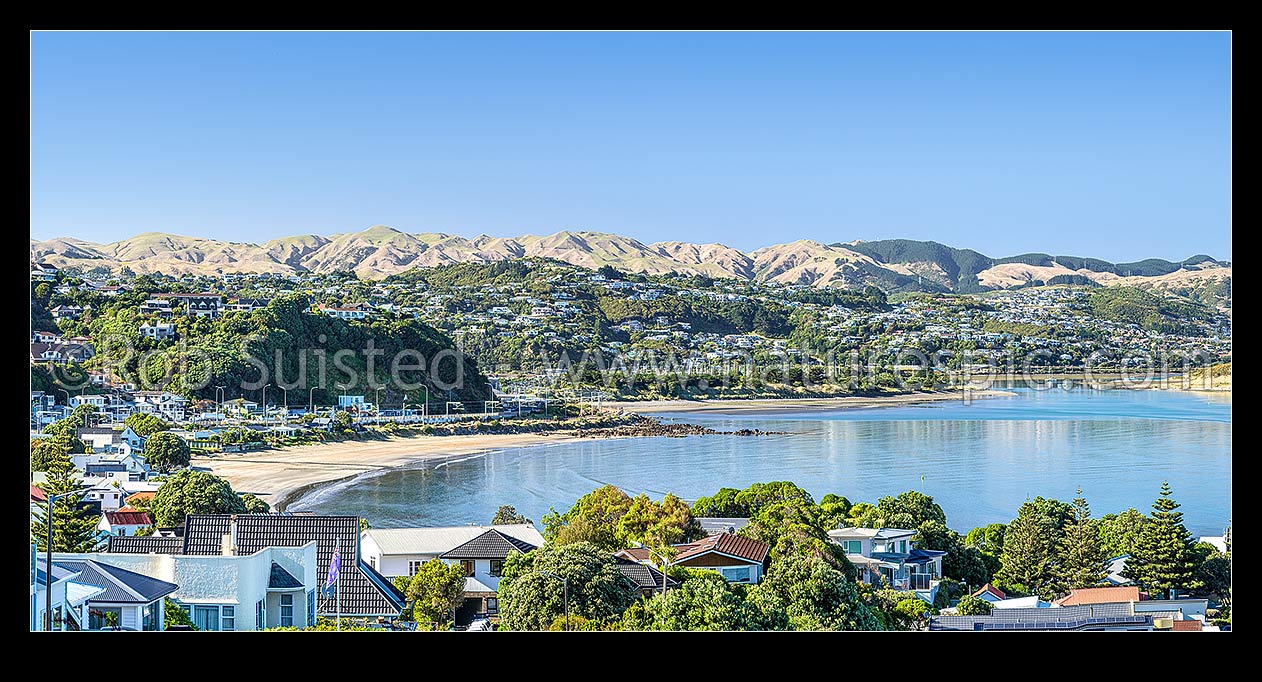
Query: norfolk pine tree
x=1082 y=560
x=74 y=525
x=1164 y=559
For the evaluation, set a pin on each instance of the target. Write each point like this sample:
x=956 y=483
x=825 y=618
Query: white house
x=482 y=559
x=69 y=597
x=889 y=554
x=123 y=599
x=274 y=586
x=397 y=552
x=158 y=330
x=97 y=401
x=124 y=522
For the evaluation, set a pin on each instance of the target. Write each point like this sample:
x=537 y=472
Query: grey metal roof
x=490 y=545
x=644 y=577
x=281 y=579
x=362 y=593
x=145 y=544
x=1058 y=618
x=59 y=571
x=713 y=525
x=121 y=585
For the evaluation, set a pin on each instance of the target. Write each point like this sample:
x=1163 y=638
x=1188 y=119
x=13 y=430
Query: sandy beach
x=281 y=476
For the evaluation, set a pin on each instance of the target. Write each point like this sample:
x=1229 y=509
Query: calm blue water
x=978 y=461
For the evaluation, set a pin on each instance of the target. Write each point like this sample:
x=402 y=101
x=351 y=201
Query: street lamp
x=565 y=595
x=665 y=563
x=48 y=564
x=310 y=399
x=265 y=402
x=285 y=414
x=218 y=399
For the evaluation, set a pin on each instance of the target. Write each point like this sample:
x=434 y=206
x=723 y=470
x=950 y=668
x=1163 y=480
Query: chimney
x=228 y=543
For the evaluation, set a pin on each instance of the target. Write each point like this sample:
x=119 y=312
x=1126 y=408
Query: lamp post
x=48 y=564
x=665 y=563
x=67 y=395
x=425 y=410
x=284 y=415
x=565 y=595
x=376 y=404
x=310 y=400
x=219 y=399
x=265 y=403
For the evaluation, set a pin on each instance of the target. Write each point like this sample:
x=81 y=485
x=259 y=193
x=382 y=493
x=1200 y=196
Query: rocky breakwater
x=647 y=426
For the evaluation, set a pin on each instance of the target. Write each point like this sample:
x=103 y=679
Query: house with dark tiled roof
x=482 y=558
x=110 y=596
x=737 y=558
x=397 y=552
x=267 y=598
x=647 y=579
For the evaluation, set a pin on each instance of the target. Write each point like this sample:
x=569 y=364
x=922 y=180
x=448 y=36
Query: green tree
x=172 y=614
x=507 y=514
x=73 y=522
x=972 y=606
x=813 y=595
x=1082 y=561
x=45 y=450
x=254 y=505
x=1029 y=554
x=610 y=518
x=145 y=424
x=193 y=492
x=722 y=504
x=909 y=510
x=914 y=611
x=1120 y=533
x=796 y=527
x=68 y=426
x=531 y=600
x=961 y=561
x=988 y=541
x=165 y=451
x=1213 y=574
x=1164 y=559
x=436 y=591
x=704 y=601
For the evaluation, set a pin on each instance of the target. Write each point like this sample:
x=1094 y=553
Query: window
x=467 y=565
x=206 y=617
x=735 y=575
x=149 y=617
x=311 y=609
x=497 y=567
x=414 y=566
x=228 y=617
x=492 y=605
x=259 y=622
x=902 y=546
x=286 y=610
x=853 y=546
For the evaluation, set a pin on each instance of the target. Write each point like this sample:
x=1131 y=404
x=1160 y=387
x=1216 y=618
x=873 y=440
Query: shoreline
x=285 y=476
x=744 y=405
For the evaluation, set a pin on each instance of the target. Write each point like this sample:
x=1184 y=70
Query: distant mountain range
x=893 y=265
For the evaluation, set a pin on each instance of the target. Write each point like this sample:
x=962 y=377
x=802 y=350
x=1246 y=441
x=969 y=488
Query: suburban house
x=198 y=305
x=345 y=313
x=97 y=595
x=157 y=330
x=738 y=559
x=124 y=522
x=68 y=597
x=999 y=600
x=647 y=579
x=365 y=592
x=889 y=554
x=483 y=560
x=397 y=552
x=713 y=525
x=1094 y=608
x=43 y=272
x=271 y=587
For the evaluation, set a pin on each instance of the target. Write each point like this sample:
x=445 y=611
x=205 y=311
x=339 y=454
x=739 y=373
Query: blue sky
x=1112 y=145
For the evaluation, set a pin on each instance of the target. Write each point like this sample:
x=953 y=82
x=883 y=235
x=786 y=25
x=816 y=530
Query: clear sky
x=1112 y=145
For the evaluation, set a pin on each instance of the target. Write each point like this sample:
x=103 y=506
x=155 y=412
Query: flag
x=335 y=568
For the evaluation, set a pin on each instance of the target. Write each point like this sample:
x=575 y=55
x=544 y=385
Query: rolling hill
x=892 y=265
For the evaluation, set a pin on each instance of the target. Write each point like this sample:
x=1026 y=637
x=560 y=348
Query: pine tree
x=74 y=524
x=1028 y=556
x=1082 y=559
x=1164 y=559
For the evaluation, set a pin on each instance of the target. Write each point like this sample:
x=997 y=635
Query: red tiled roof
x=129 y=518
x=1190 y=625
x=38 y=494
x=142 y=495
x=992 y=590
x=725 y=543
x=1100 y=595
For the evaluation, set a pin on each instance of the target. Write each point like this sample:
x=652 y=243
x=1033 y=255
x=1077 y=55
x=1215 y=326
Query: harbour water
x=980 y=461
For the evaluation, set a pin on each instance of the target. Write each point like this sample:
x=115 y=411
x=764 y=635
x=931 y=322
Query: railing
x=920 y=581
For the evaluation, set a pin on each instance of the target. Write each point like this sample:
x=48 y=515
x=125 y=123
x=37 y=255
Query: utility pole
x=48 y=564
